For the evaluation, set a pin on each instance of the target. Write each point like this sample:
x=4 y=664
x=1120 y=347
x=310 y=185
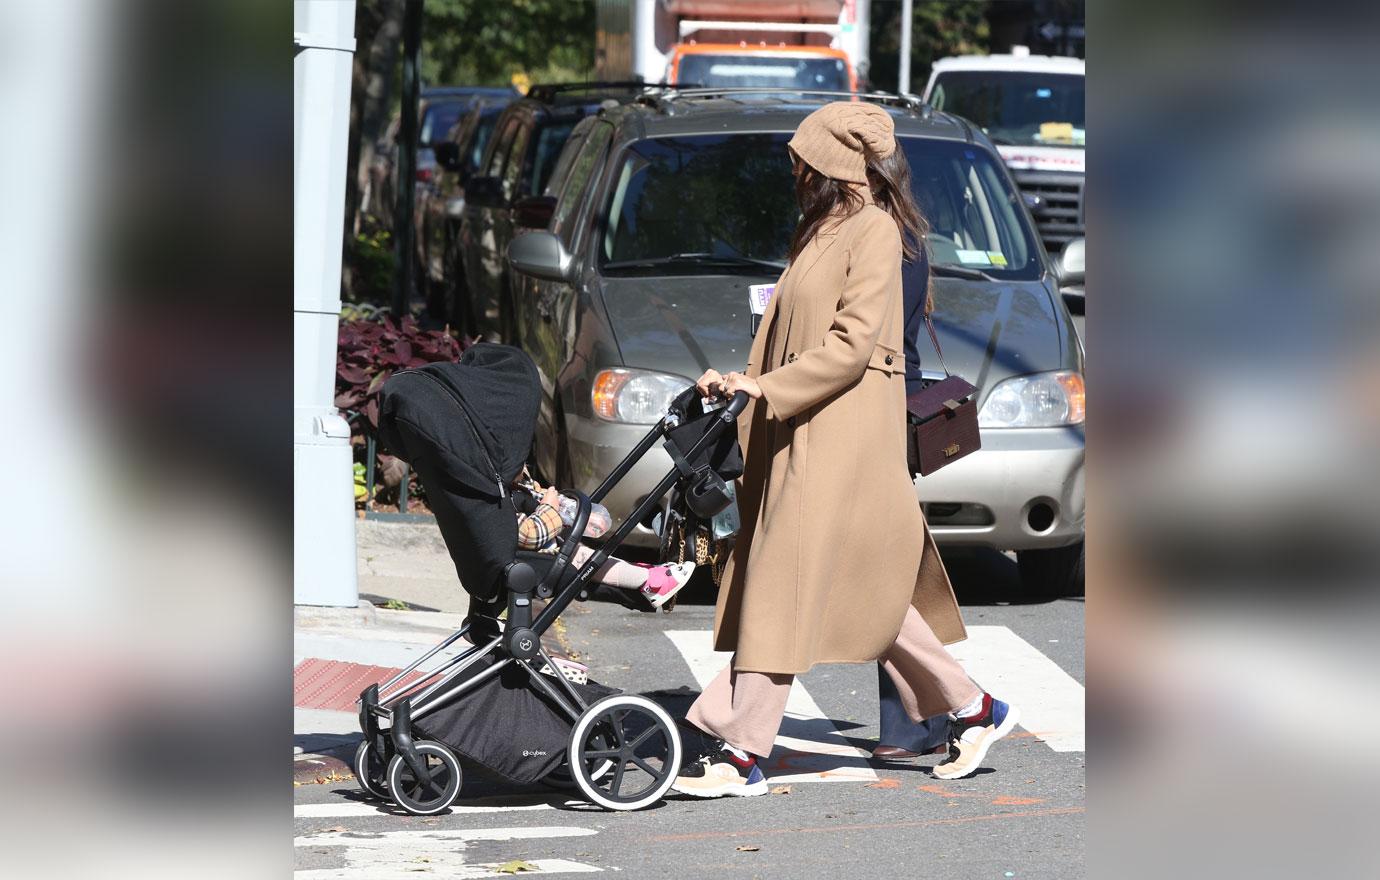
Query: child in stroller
x=540 y=529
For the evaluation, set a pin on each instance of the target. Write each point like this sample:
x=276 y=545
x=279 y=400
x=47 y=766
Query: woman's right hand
x=710 y=384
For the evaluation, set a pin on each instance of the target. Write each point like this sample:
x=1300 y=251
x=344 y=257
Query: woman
x=833 y=562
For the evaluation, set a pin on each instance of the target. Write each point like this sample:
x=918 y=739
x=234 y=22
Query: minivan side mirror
x=534 y=212
x=447 y=155
x=540 y=254
x=1070 y=266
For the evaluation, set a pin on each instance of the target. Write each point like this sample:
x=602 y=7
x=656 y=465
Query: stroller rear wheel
x=624 y=752
x=371 y=772
x=431 y=792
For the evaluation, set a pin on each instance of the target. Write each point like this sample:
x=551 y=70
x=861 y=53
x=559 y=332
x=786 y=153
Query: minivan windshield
x=1024 y=109
x=710 y=204
x=764 y=71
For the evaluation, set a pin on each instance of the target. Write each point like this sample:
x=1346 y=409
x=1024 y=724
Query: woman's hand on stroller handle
x=715 y=384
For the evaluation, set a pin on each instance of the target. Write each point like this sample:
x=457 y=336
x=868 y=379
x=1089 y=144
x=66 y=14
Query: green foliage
x=371 y=259
x=485 y=42
x=940 y=28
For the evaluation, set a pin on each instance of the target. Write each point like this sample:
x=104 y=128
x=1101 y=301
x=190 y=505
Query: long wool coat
x=833 y=544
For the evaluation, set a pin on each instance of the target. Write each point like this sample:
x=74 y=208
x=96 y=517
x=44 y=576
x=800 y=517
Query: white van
x=1031 y=106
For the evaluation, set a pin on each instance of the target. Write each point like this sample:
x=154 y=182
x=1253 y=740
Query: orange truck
x=795 y=44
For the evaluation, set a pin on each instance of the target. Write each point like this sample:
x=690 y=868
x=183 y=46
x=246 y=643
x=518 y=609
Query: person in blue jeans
x=901 y=737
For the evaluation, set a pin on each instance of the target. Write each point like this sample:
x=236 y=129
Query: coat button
x=889 y=359
x=790 y=422
x=790 y=358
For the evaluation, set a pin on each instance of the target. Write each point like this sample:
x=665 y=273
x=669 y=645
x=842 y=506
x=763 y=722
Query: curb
x=363 y=614
x=318 y=768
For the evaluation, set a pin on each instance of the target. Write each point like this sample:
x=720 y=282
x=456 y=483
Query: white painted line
x=438 y=838
x=403 y=855
x=809 y=747
x=441 y=866
x=1011 y=669
x=341 y=809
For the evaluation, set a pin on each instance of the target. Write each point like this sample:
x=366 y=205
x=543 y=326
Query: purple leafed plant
x=371 y=351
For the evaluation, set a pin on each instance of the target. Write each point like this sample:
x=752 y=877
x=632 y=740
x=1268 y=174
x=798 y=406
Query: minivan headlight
x=635 y=397
x=1040 y=400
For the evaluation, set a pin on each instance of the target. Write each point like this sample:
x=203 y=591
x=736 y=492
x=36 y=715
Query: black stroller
x=466 y=429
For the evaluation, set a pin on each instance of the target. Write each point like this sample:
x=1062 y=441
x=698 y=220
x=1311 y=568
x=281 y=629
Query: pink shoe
x=664 y=581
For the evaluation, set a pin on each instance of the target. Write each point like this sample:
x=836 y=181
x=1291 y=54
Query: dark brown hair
x=822 y=198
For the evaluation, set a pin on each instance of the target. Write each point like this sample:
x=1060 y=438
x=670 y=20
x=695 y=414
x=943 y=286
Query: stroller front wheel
x=430 y=792
x=370 y=772
x=624 y=752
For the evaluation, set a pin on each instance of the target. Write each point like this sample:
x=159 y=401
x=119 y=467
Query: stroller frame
x=398 y=703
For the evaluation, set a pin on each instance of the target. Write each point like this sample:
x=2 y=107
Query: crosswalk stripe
x=809 y=747
x=444 y=868
x=436 y=837
x=342 y=809
x=1051 y=701
x=440 y=852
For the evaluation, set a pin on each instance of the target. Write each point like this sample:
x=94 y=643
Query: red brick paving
x=335 y=684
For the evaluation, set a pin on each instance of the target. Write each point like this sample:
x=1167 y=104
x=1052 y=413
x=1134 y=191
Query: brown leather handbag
x=941 y=419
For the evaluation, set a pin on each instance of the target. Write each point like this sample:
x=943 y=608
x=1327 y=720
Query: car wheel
x=1053 y=573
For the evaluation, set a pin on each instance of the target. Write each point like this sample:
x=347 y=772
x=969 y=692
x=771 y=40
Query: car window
x=1025 y=109
x=561 y=172
x=734 y=196
x=437 y=120
x=550 y=138
x=591 y=151
x=494 y=166
x=761 y=71
x=483 y=130
x=512 y=169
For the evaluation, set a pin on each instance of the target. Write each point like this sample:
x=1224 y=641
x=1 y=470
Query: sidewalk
x=337 y=652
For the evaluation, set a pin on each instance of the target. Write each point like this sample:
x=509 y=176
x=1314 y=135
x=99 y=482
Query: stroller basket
x=465 y=428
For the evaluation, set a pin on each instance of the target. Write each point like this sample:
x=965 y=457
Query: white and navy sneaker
x=972 y=735
x=722 y=771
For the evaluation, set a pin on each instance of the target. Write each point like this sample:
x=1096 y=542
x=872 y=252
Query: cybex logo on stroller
x=533 y=753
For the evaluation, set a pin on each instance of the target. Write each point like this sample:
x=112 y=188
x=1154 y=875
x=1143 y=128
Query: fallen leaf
x=884 y=783
x=747 y=848
x=337 y=828
x=781 y=789
x=514 y=866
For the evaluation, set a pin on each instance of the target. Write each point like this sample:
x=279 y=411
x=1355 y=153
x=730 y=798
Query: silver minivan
x=665 y=210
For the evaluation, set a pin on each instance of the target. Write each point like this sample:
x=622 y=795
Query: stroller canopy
x=466 y=428
x=485 y=432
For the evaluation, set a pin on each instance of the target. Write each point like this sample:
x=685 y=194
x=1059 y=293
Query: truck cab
x=1032 y=108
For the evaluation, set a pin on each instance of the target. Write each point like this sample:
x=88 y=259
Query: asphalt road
x=1022 y=816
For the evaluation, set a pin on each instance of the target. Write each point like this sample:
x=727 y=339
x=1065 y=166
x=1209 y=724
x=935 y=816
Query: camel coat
x=833 y=544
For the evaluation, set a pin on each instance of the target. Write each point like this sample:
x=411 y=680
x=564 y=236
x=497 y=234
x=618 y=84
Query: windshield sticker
x=758 y=297
x=997 y=258
x=973 y=258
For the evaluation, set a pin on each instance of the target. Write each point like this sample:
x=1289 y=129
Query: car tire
x=1054 y=573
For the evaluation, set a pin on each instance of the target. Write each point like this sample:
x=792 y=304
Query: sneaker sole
x=658 y=601
x=1013 y=715
x=728 y=789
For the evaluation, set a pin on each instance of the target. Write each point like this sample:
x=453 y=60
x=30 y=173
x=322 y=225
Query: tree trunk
x=378 y=33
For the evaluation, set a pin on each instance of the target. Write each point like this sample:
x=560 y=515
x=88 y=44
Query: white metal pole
x=324 y=570
x=903 y=83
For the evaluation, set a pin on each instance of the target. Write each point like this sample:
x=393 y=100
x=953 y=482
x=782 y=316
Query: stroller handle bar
x=690 y=396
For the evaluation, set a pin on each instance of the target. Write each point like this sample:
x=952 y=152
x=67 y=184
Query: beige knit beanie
x=833 y=138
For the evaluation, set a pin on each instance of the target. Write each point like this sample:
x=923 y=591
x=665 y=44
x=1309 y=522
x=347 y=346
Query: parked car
x=1032 y=108
x=504 y=195
x=440 y=207
x=667 y=209
x=439 y=108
